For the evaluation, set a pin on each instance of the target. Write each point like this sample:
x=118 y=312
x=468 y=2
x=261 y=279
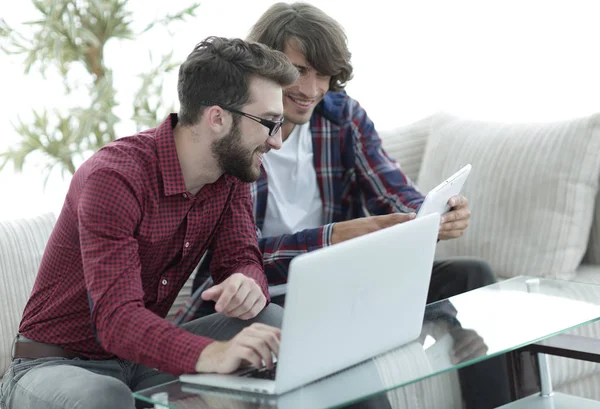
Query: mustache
x=262 y=149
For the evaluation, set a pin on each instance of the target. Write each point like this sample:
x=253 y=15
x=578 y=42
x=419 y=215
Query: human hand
x=237 y=297
x=454 y=222
x=468 y=344
x=254 y=345
x=350 y=229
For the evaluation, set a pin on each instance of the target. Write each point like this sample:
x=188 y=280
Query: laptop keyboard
x=263 y=373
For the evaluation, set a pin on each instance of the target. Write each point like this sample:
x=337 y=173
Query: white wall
x=510 y=60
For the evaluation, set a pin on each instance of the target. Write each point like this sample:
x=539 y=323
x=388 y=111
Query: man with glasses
x=138 y=216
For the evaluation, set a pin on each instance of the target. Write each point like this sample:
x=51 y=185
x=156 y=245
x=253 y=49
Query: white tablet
x=436 y=200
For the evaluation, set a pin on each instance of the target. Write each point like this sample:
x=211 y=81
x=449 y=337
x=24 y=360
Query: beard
x=234 y=158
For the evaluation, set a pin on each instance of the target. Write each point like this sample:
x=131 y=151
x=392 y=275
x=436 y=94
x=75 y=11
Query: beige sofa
x=533 y=194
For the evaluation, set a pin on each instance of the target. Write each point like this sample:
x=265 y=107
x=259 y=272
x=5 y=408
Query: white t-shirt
x=294 y=202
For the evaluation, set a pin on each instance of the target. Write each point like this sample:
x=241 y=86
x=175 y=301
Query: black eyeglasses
x=273 y=126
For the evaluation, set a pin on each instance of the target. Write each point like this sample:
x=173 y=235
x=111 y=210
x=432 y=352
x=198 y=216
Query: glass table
x=509 y=316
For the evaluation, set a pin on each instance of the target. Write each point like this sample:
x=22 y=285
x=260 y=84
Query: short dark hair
x=219 y=69
x=321 y=38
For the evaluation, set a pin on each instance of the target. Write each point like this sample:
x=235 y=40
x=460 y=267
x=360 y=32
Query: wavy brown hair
x=322 y=39
x=219 y=70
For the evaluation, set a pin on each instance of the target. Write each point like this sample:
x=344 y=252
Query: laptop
x=367 y=378
x=346 y=303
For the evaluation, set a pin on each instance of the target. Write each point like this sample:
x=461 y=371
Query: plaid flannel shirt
x=356 y=178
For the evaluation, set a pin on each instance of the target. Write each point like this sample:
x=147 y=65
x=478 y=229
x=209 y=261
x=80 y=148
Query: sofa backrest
x=22 y=244
x=592 y=256
x=409 y=144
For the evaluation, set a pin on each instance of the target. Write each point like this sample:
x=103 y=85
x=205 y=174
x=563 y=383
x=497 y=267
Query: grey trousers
x=59 y=383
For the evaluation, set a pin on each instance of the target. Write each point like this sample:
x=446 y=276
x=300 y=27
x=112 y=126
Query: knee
x=110 y=393
x=474 y=272
x=271 y=315
x=484 y=271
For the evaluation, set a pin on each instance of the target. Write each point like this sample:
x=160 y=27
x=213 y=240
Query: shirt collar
x=173 y=182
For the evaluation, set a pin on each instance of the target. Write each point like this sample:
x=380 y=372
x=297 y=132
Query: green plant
x=72 y=32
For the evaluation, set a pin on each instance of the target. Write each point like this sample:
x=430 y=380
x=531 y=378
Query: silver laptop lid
x=349 y=302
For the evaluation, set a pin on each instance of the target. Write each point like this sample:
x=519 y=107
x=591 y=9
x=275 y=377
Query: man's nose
x=275 y=141
x=309 y=85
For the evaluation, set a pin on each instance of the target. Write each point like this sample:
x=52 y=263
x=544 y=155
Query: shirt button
x=164 y=282
x=185 y=195
x=187 y=244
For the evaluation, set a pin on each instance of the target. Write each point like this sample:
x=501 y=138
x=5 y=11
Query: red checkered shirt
x=127 y=239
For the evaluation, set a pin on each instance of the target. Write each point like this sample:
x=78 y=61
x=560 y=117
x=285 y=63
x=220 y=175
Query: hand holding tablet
x=436 y=200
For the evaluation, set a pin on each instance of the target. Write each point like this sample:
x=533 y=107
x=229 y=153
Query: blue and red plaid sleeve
x=385 y=188
x=279 y=251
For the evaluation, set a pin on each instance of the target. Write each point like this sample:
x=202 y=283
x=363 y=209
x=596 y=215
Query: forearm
x=134 y=333
x=396 y=194
x=278 y=251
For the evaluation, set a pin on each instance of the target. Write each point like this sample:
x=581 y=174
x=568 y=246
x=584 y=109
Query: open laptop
x=345 y=304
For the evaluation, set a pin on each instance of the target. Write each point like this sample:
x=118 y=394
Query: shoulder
x=337 y=107
x=131 y=159
x=136 y=150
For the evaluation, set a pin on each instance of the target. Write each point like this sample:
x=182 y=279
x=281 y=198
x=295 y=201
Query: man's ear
x=216 y=119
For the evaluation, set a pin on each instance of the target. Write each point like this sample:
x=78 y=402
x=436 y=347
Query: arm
x=112 y=271
x=279 y=251
x=277 y=263
x=385 y=187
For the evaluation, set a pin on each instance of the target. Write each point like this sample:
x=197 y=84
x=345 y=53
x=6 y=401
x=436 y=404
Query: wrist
x=204 y=363
x=328 y=234
x=334 y=232
x=339 y=232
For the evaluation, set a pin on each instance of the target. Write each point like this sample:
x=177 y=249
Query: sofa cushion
x=406 y=144
x=532 y=190
x=22 y=244
x=593 y=251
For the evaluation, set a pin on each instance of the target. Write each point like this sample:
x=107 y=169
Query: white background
x=510 y=60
